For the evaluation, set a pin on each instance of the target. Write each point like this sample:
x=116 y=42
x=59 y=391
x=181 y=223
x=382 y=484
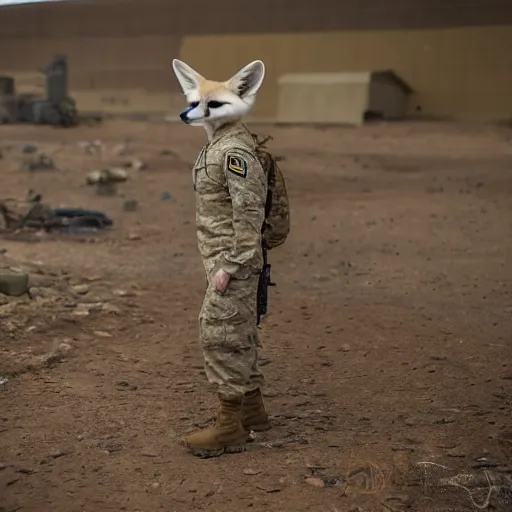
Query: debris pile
x=33 y=215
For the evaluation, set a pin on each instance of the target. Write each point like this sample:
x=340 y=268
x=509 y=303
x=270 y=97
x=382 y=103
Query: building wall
x=127 y=45
x=457 y=73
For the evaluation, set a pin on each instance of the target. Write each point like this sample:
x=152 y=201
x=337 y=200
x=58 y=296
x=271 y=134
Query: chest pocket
x=208 y=178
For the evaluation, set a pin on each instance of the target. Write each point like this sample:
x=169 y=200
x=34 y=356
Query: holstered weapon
x=264 y=282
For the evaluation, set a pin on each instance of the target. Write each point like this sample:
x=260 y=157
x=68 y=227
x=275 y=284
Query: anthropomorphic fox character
x=241 y=211
x=213 y=104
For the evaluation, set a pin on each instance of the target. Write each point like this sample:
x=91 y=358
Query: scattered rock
x=134 y=236
x=444 y=421
x=123 y=293
x=57 y=454
x=165 y=196
x=41 y=293
x=41 y=162
x=251 y=472
x=110 y=175
x=315 y=481
x=455 y=453
x=102 y=334
x=81 y=289
x=168 y=152
x=149 y=454
x=3 y=380
x=136 y=165
x=64 y=347
x=92 y=147
x=270 y=489
x=106 y=189
x=25 y=471
x=438 y=358
x=81 y=311
x=13 y=283
x=29 y=148
x=130 y=205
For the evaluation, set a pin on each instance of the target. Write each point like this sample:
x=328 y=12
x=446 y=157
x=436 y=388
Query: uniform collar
x=229 y=130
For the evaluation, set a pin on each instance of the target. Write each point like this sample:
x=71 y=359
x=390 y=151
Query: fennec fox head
x=213 y=104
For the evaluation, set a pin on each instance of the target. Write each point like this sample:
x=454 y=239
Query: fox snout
x=184 y=116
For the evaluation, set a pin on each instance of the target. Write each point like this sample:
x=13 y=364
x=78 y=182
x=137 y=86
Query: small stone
x=106 y=189
x=80 y=311
x=14 y=283
x=123 y=293
x=165 y=196
x=130 y=205
x=149 y=454
x=444 y=421
x=134 y=236
x=456 y=453
x=137 y=164
x=25 y=471
x=81 y=289
x=42 y=163
x=315 y=481
x=93 y=177
x=438 y=358
x=345 y=347
x=114 y=174
x=102 y=334
x=29 y=149
x=251 y=472
x=155 y=485
x=57 y=454
x=64 y=347
x=110 y=308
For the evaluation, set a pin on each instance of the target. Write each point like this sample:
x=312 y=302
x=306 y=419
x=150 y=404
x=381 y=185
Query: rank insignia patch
x=237 y=165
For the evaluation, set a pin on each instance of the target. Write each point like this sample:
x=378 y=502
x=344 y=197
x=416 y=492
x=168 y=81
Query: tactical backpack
x=277 y=208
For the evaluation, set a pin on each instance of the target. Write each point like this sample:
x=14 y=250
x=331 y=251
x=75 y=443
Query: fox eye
x=216 y=104
x=194 y=104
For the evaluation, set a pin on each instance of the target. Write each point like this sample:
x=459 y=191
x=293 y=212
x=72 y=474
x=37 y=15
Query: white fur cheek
x=231 y=111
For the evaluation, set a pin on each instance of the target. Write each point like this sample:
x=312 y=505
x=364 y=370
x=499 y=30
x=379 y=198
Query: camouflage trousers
x=229 y=337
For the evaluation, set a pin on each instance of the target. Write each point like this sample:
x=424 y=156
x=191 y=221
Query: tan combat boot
x=254 y=416
x=226 y=436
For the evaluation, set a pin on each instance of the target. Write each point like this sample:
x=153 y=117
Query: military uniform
x=231 y=190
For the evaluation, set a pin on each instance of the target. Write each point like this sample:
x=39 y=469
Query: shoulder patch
x=236 y=164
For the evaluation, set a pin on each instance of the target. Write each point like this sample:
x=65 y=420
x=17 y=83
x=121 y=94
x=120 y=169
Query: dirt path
x=387 y=351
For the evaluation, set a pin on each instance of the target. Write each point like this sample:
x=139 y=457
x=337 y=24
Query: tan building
x=454 y=54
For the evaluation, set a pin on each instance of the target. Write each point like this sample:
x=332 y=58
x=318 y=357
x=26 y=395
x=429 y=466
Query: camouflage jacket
x=231 y=190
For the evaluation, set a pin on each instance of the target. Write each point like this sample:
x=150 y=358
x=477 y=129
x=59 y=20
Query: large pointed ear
x=188 y=78
x=248 y=80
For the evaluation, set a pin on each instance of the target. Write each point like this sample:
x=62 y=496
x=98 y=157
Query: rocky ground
x=387 y=350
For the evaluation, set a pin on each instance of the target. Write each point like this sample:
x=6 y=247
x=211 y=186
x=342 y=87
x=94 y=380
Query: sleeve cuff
x=234 y=269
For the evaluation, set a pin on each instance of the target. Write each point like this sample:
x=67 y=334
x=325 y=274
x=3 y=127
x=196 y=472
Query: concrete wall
x=460 y=73
x=127 y=46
